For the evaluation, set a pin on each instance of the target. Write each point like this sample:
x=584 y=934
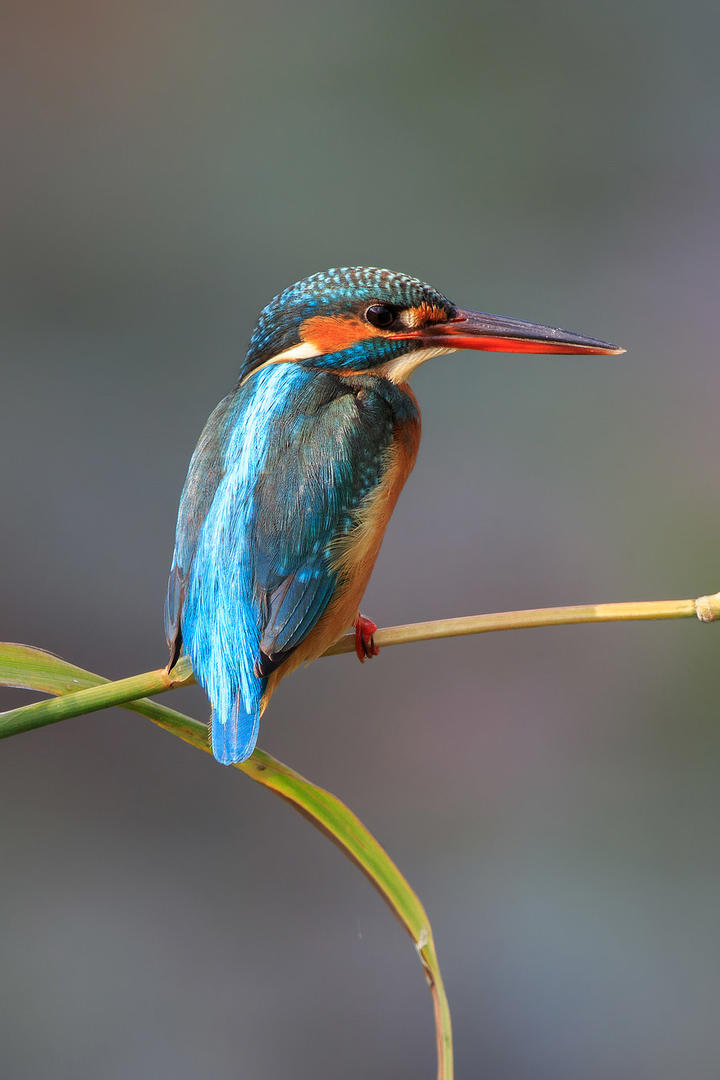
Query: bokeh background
x=552 y=795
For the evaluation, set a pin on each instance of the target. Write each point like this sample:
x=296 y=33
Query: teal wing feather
x=278 y=476
x=329 y=457
x=205 y=472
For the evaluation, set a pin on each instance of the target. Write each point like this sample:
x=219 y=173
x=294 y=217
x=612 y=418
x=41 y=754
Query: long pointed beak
x=496 y=333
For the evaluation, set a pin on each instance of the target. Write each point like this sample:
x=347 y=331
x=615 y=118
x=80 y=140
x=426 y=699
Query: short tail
x=235 y=732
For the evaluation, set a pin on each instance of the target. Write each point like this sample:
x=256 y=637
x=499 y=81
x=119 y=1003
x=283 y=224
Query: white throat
x=399 y=369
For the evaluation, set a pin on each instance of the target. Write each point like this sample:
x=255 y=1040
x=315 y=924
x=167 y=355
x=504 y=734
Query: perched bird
x=297 y=472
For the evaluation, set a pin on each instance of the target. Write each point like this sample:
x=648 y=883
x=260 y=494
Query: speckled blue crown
x=332 y=292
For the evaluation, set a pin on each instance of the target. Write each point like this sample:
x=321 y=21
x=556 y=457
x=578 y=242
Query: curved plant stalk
x=32 y=669
x=83 y=697
x=704 y=608
x=78 y=691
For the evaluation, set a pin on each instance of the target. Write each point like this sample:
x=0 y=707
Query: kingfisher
x=295 y=476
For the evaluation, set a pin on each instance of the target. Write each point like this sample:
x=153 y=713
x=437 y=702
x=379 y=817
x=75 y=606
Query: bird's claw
x=365 y=646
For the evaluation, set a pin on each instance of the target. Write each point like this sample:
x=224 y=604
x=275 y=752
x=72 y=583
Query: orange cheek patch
x=333 y=333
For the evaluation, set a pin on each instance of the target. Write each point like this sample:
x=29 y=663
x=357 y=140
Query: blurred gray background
x=552 y=795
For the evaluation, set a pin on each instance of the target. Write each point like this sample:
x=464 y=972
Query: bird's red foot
x=364 y=641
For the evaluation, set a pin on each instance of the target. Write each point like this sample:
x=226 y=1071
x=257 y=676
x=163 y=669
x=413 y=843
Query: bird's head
x=361 y=319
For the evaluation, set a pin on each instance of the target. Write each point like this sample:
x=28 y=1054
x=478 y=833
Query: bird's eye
x=380 y=315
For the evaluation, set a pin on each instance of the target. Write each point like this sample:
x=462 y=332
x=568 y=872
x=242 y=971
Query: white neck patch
x=302 y=351
x=398 y=370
